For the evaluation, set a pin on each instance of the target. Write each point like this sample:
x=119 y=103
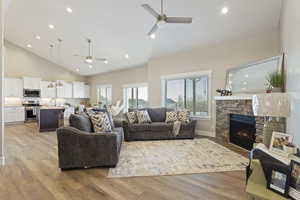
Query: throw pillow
x=143 y=117
x=101 y=122
x=183 y=116
x=132 y=118
x=171 y=116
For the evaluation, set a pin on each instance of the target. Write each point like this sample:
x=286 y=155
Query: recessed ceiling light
x=77 y=70
x=90 y=66
x=29 y=46
x=51 y=26
x=126 y=56
x=69 y=10
x=38 y=37
x=152 y=36
x=224 y=10
x=106 y=62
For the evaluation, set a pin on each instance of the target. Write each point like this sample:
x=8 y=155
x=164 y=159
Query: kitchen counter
x=51 y=108
x=50 y=118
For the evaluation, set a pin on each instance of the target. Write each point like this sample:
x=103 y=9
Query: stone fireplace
x=240 y=105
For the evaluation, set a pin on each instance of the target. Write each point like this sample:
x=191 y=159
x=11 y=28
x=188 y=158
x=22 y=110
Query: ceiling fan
x=162 y=19
x=89 y=59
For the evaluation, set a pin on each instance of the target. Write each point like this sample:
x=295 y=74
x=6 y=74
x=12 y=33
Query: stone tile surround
x=225 y=107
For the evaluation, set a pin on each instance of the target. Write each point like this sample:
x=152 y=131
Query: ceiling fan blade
x=153 y=30
x=180 y=20
x=150 y=10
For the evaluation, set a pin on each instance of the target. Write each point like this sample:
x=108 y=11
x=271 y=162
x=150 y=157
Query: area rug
x=174 y=157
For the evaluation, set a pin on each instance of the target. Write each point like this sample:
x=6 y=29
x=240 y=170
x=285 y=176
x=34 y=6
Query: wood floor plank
x=31 y=172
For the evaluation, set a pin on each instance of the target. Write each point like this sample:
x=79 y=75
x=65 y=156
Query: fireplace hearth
x=242 y=130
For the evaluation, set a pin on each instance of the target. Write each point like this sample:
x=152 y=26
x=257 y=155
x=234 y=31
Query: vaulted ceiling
x=119 y=27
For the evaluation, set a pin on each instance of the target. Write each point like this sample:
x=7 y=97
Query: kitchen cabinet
x=86 y=91
x=13 y=87
x=78 y=90
x=47 y=92
x=64 y=91
x=14 y=114
x=31 y=83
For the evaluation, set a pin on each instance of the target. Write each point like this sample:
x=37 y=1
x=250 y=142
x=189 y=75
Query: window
x=104 y=95
x=136 y=96
x=188 y=91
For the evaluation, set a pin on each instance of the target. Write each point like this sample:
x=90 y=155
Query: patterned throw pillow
x=132 y=118
x=101 y=122
x=171 y=116
x=143 y=117
x=183 y=116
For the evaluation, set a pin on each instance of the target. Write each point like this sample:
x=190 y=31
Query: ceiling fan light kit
x=162 y=19
x=89 y=59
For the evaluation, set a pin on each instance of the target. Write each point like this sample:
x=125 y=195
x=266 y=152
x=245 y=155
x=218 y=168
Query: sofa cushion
x=143 y=116
x=171 y=116
x=132 y=118
x=101 y=122
x=81 y=122
x=157 y=114
x=153 y=127
x=184 y=116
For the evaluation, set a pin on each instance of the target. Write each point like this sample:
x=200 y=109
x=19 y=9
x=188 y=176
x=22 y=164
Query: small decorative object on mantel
x=224 y=92
x=275 y=82
x=278 y=143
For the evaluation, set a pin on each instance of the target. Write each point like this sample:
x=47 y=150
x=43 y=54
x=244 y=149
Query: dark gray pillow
x=81 y=122
x=157 y=114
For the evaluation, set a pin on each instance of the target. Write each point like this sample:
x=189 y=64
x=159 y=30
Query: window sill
x=201 y=117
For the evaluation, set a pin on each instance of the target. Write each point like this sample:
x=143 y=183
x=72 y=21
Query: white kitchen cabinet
x=31 y=83
x=47 y=92
x=78 y=90
x=64 y=91
x=14 y=114
x=86 y=91
x=13 y=87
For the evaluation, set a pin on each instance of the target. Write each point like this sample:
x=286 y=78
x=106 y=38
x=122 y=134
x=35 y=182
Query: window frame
x=198 y=74
x=99 y=87
x=132 y=87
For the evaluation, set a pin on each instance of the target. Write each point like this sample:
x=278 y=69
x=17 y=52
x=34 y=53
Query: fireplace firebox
x=242 y=130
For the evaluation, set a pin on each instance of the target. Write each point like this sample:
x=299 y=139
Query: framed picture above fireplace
x=252 y=77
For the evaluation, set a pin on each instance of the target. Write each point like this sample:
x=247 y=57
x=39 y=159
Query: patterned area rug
x=173 y=157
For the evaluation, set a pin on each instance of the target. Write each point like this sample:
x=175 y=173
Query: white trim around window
x=189 y=75
x=135 y=85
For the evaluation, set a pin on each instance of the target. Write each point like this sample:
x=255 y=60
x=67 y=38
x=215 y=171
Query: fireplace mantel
x=235 y=97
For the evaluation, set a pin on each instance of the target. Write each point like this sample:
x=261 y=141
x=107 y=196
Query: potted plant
x=275 y=82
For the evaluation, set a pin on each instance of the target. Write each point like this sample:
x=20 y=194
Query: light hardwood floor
x=31 y=173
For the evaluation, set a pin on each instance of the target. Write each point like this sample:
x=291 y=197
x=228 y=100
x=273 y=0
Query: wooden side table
x=257 y=185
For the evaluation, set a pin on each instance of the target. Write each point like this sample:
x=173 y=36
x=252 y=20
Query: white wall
x=117 y=79
x=218 y=58
x=290 y=38
x=19 y=63
x=1 y=85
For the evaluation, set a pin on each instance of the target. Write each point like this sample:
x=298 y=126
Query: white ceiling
x=119 y=27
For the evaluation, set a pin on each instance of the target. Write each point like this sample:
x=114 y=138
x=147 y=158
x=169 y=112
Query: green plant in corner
x=276 y=80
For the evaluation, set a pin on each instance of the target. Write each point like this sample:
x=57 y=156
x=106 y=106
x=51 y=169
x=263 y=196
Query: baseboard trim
x=2 y=160
x=206 y=133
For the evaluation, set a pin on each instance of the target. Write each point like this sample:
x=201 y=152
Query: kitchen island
x=50 y=118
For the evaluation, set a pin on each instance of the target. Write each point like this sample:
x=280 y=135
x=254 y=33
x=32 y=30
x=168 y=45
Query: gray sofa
x=158 y=129
x=80 y=147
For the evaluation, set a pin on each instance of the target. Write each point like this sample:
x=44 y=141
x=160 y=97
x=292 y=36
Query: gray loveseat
x=80 y=147
x=158 y=129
